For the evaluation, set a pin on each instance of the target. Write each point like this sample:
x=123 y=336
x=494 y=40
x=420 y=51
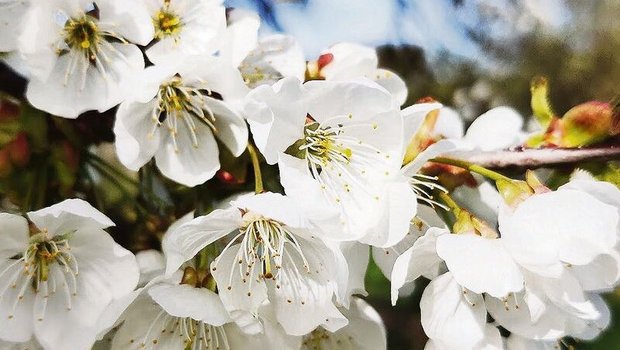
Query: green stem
x=493 y=175
x=121 y=187
x=258 y=177
x=111 y=169
x=447 y=200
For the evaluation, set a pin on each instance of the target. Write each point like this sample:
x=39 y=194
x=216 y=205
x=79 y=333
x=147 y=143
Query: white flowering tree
x=251 y=190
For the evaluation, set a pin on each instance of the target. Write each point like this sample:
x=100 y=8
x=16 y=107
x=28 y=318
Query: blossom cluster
x=513 y=264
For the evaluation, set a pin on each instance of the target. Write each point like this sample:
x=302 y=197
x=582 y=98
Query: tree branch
x=535 y=158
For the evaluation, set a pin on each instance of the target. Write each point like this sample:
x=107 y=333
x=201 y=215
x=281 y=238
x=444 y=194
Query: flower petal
x=183 y=243
x=69 y=215
x=480 y=264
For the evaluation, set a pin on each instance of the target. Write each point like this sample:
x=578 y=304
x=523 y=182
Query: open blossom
x=185 y=28
x=268 y=251
x=345 y=61
x=176 y=115
x=338 y=146
x=81 y=54
x=58 y=275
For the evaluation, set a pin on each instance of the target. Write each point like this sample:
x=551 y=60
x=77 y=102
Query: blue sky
x=435 y=25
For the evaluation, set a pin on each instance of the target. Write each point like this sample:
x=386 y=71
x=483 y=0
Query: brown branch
x=535 y=158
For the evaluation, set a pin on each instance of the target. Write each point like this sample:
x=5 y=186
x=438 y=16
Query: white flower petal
x=137 y=139
x=449 y=316
x=188 y=164
x=480 y=264
x=231 y=128
x=186 y=301
x=497 y=129
x=15 y=235
x=183 y=243
x=276 y=115
x=392 y=83
x=69 y=215
x=419 y=260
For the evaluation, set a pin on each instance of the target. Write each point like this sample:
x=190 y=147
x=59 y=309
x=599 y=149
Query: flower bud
x=586 y=124
x=513 y=191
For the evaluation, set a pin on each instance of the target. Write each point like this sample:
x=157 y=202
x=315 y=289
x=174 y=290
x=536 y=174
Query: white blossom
x=346 y=142
x=185 y=28
x=58 y=277
x=268 y=251
x=81 y=54
x=177 y=113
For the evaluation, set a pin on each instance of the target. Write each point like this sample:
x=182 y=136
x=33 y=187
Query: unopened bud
x=586 y=124
x=513 y=191
x=463 y=222
x=532 y=180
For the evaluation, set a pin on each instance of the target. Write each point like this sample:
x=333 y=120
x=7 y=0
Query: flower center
x=46 y=266
x=265 y=246
x=166 y=22
x=83 y=35
x=321 y=146
x=181 y=104
x=264 y=243
x=320 y=339
x=42 y=253
x=87 y=45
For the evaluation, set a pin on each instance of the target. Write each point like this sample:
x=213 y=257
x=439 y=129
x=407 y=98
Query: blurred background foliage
x=469 y=54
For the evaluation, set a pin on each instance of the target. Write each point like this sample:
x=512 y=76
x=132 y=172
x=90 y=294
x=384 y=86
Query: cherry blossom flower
x=345 y=145
x=185 y=28
x=81 y=54
x=269 y=251
x=60 y=274
x=177 y=114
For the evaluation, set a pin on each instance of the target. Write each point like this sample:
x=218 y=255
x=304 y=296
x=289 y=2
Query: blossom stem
x=447 y=200
x=493 y=175
x=258 y=177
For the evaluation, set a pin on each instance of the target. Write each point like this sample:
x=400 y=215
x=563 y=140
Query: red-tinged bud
x=532 y=180
x=5 y=163
x=19 y=150
x=586 y=124
x=226 y=177
x=324 y=60
x=426 y=99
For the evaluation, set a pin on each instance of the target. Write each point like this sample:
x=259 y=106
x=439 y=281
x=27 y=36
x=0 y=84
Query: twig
x=535 y=158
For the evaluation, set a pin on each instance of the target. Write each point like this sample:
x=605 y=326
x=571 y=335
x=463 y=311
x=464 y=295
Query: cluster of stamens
x=46 y=266
x=423 y=187
x=322 y=148
x=196 y=335
x=339 y=161
x=263 y=249
x=88 y=45
x=178 y=104
x=167 y=23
